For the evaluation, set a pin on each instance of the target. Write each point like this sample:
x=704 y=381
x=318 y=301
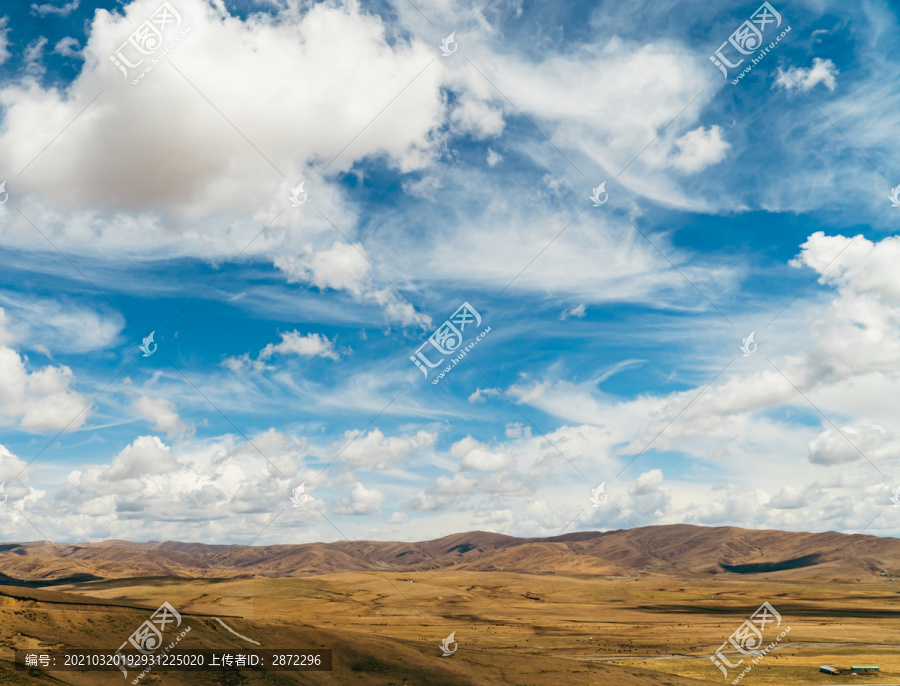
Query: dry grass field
x=522 y=628
x=649 y=625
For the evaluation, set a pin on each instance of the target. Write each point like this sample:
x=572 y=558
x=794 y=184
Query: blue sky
x=284 y=333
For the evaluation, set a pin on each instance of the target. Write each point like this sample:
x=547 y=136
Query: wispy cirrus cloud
x=61 y=10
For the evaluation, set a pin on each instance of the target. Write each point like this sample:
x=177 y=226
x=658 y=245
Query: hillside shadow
x=763 y=567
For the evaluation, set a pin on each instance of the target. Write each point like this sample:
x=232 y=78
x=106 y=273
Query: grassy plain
x=386 y=627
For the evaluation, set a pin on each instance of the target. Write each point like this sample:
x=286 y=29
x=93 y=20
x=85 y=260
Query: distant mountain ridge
x=679 y=548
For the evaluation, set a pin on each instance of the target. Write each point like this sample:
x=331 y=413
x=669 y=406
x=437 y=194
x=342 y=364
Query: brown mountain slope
x=675 y=549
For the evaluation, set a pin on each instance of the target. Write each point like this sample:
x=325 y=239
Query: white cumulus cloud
x=162 y=413
x=295 y=343
x=37 y=399
x=362 y=501
x=798 y=78
x=700 y=148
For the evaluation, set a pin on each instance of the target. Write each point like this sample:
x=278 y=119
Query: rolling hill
x=702 y=552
